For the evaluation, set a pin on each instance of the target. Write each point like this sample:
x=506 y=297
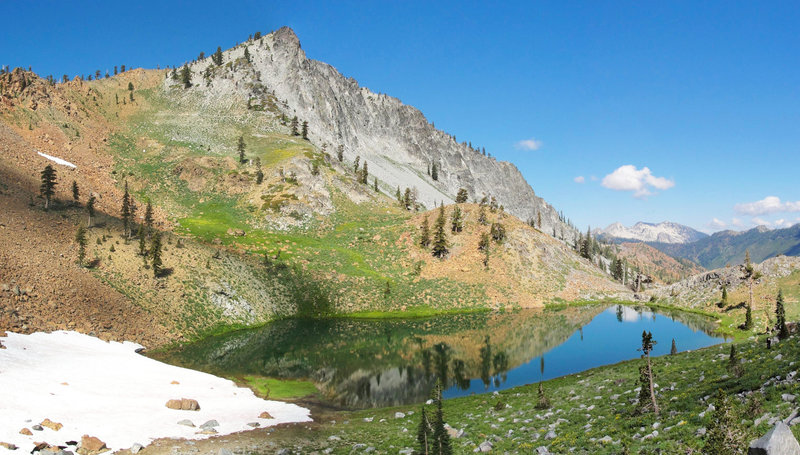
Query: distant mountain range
x=664 y=232
x=728 y=247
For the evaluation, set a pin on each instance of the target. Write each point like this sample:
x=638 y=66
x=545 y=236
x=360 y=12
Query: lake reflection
x=375 y=363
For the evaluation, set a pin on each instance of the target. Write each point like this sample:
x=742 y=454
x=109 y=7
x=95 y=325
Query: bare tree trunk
x=652 y=390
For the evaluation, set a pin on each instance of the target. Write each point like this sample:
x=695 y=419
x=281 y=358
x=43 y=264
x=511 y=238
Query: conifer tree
x=80 y=239
x=148 y=218
x=363 y=174
x=498 y=232
x=674 y=349
x=125 y=212
x=462 y=196
x=440 y=237
x=750 y=275
x=259 y=176
x=434 y=172
x=646 y=375
x=247 y=55
x=780 y=313
x=340 y=157
x=456 y=220
x=398 y=196
x=724 y=295
x=155 y=255
x=241 y=149
x=216 y=57
x=305 y=130
x=295 y=124
x=356 y=164
x=375 y=184
x=425 y=234
x=542 y=401
x=484 y=245
x=424 y=433
x=47 y=188
x=407 y=202
x=90 y=209
x=539 y=219
x=725 y=436
x=130 y=86
x=441 y=438
x=186 y=76
x=482 y=215
x=75 y=192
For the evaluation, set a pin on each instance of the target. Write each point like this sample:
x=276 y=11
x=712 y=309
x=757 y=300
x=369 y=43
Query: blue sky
x=705 y=95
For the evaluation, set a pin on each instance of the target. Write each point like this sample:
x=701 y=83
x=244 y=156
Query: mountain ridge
x=664 y=232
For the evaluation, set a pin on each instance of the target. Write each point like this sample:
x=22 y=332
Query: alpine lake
x=348 y=363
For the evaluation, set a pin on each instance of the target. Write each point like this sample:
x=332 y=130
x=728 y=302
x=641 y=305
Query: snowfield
x=57 y=160
x=109 y=391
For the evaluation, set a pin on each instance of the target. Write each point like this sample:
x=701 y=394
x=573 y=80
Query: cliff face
x=396 y=140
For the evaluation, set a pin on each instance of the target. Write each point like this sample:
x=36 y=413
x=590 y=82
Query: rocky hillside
x=290 y=229
x=729 y=247
x=664 y=232
x=654 y=263
x=398 y=142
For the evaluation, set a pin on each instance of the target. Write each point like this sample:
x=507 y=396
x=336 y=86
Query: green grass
x=280 y=389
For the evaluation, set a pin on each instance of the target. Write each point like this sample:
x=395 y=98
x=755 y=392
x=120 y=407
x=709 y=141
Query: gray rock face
x=778 y=441
x=397 y=141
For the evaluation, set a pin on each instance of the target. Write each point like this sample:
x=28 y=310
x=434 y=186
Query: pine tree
x=80 y=239
x=75 y=192
x=216 y=57
x=424 y=433
x=375 y=184
x=440 y=237
x=148 y=218
x=425 y=234
x=241 y=149
x=90 y=209
x=647 y=370
x=247 y=55
x=539 y=219
x=484 y=245
x=482 y=215
x=259 y=176
x=364 y=174
x=780 y=313
x=356 y=164
x=724 y=295
x=125 y=212
x=750 y=275
x=441 y=438
x=725 y=436
x=305 y=130
x=586 y=245
x=462 y=196
x=674 y=349
x=498 y=232
x=295 y=124
x=47 y=188
x=130 y=86
x=340 y=156
x=434 y=172
x=186 y=76
x=456 y=220
x=542 y=402
x=407 y=203
x=155 y=255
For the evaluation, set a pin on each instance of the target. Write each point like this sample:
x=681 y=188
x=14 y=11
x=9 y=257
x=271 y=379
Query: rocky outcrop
x=397 y=141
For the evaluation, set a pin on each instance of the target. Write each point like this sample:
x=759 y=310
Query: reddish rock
x=265 y=415
x=26 y=432
x=174 y=404
x=55 y=426
x=90 y=444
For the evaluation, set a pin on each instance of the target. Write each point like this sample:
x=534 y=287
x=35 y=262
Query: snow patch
x=109 y=391
x=57 y=160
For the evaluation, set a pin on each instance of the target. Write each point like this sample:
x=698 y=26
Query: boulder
x=55 y=426
x=265 y=415
x=209 y=425
x=8 y=446
x=778 y=441
x=184 y=404
x=26 y=432
x=186 y=423
x=136 y=448
x=91 y=445
x=485 y=446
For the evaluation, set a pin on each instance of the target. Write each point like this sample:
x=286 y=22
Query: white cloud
x=640 y=181
x=784 y=223
x=579 y=179
x=761 y=221
x=737 y=222
x=717 y=224
x=594 y=178
x=770 y=204
x=528 y=144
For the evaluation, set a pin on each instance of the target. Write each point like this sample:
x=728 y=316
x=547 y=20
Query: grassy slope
x=601 y=398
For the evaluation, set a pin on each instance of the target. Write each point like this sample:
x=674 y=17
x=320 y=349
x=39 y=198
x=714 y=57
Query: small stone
x=284 y=452
x=8 y=446
x=779 y=357
x=701 y=431
x=224 y=451
x=788 y=397
x=136 y=448
x=209 y=424
x=399 y=415
x=186 y=422
x=37 y=428
x=550 y=435
x=26 y=432
x=254 y=424
x=485 y=446
x=265 y=415
x=334 y=438
x=605 y=439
